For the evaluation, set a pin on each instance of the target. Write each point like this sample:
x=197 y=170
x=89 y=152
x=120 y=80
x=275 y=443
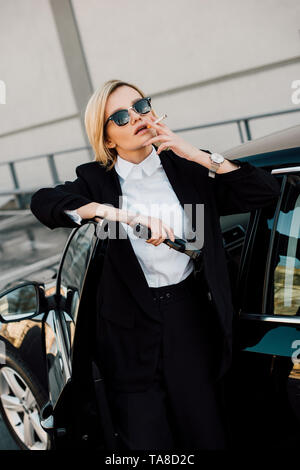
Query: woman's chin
x=146 y=147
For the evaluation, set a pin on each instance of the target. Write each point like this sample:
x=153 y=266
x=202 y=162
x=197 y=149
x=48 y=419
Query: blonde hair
x=94 y=119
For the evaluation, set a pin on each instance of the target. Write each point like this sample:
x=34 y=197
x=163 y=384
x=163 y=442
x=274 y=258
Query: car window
x=74 y=266
x=234 y=228
x=251 y=284
x=284 y=285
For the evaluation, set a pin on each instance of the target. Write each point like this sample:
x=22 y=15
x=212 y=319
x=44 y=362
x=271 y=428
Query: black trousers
x=184 y=408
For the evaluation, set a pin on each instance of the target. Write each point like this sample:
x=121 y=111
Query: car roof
x=278 y=149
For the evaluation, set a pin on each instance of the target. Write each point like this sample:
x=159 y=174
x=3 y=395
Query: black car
x=52 y=393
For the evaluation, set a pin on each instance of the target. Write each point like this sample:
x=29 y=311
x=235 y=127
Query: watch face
x=217 y=158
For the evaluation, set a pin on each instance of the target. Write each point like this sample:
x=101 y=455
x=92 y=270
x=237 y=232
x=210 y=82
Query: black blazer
x=125 y=305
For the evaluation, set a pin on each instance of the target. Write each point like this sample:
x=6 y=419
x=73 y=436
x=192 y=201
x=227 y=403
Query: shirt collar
x=125 y=168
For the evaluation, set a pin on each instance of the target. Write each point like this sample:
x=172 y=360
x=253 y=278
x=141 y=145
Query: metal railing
x=242 y=120
x=20 y=192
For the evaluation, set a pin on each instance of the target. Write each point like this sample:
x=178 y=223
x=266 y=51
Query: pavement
x=28 y=251
x=27 y=246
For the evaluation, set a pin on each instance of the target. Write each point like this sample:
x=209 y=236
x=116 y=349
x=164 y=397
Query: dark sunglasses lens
x=143 y=106
x=121 y=117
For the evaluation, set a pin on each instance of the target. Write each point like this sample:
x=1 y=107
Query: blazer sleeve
x=48 y=205
x=244 y=189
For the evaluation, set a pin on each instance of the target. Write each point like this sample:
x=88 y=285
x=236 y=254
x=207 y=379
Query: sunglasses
x=121 y=117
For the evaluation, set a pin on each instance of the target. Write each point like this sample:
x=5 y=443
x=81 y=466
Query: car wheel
x=21 y=399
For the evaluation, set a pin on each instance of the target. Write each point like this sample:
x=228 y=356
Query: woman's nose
x=133 y=115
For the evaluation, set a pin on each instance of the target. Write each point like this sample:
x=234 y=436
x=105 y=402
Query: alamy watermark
x=179 y=220
x=2 y=352
x=2 y=92
x=296 y=94
x=296 y=354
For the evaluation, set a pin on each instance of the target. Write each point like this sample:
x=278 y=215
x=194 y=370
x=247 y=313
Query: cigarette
x=158 y=120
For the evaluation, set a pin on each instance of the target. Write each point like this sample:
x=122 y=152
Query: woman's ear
x=109 y=144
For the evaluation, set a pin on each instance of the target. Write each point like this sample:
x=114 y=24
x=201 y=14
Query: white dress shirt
x=147 y=190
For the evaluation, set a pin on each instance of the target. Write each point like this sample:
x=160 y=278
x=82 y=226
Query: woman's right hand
x=100 y=211
x=159 y=230
x=88 y=210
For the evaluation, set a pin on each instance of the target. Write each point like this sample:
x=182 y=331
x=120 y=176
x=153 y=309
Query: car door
x=266 y=393
x=61 y=321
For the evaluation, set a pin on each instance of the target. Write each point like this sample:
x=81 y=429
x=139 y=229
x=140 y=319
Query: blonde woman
x=163 y=337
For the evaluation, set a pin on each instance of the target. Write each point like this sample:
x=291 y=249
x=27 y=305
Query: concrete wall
x=200 y=61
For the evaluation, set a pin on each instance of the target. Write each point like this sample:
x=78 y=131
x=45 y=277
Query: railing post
x=16 y=183
x=240 y=131
x=247 y=127
x=52 y=166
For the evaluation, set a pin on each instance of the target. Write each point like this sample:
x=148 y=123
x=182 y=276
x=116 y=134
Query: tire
x=21 y=399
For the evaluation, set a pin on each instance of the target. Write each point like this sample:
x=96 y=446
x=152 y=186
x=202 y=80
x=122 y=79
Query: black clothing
x=134 y=322
x=183 y=408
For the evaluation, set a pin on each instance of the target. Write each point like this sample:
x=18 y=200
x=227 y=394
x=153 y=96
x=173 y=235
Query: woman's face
x=123 y=138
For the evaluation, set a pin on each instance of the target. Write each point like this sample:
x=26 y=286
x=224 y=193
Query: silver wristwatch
x=216 y=160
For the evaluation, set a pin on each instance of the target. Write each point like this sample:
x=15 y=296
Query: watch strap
x=213 y=169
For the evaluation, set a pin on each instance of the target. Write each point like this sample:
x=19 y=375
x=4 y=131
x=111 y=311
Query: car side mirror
x=20 y=302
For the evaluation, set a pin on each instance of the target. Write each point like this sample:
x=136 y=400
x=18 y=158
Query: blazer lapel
x=120 y=249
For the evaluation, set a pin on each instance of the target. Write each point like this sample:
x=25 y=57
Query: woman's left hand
x=169 y=139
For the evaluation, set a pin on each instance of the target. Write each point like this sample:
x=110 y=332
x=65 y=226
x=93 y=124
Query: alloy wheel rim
x=21 y=409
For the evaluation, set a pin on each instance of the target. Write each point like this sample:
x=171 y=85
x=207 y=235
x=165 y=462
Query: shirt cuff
x=73 y=214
